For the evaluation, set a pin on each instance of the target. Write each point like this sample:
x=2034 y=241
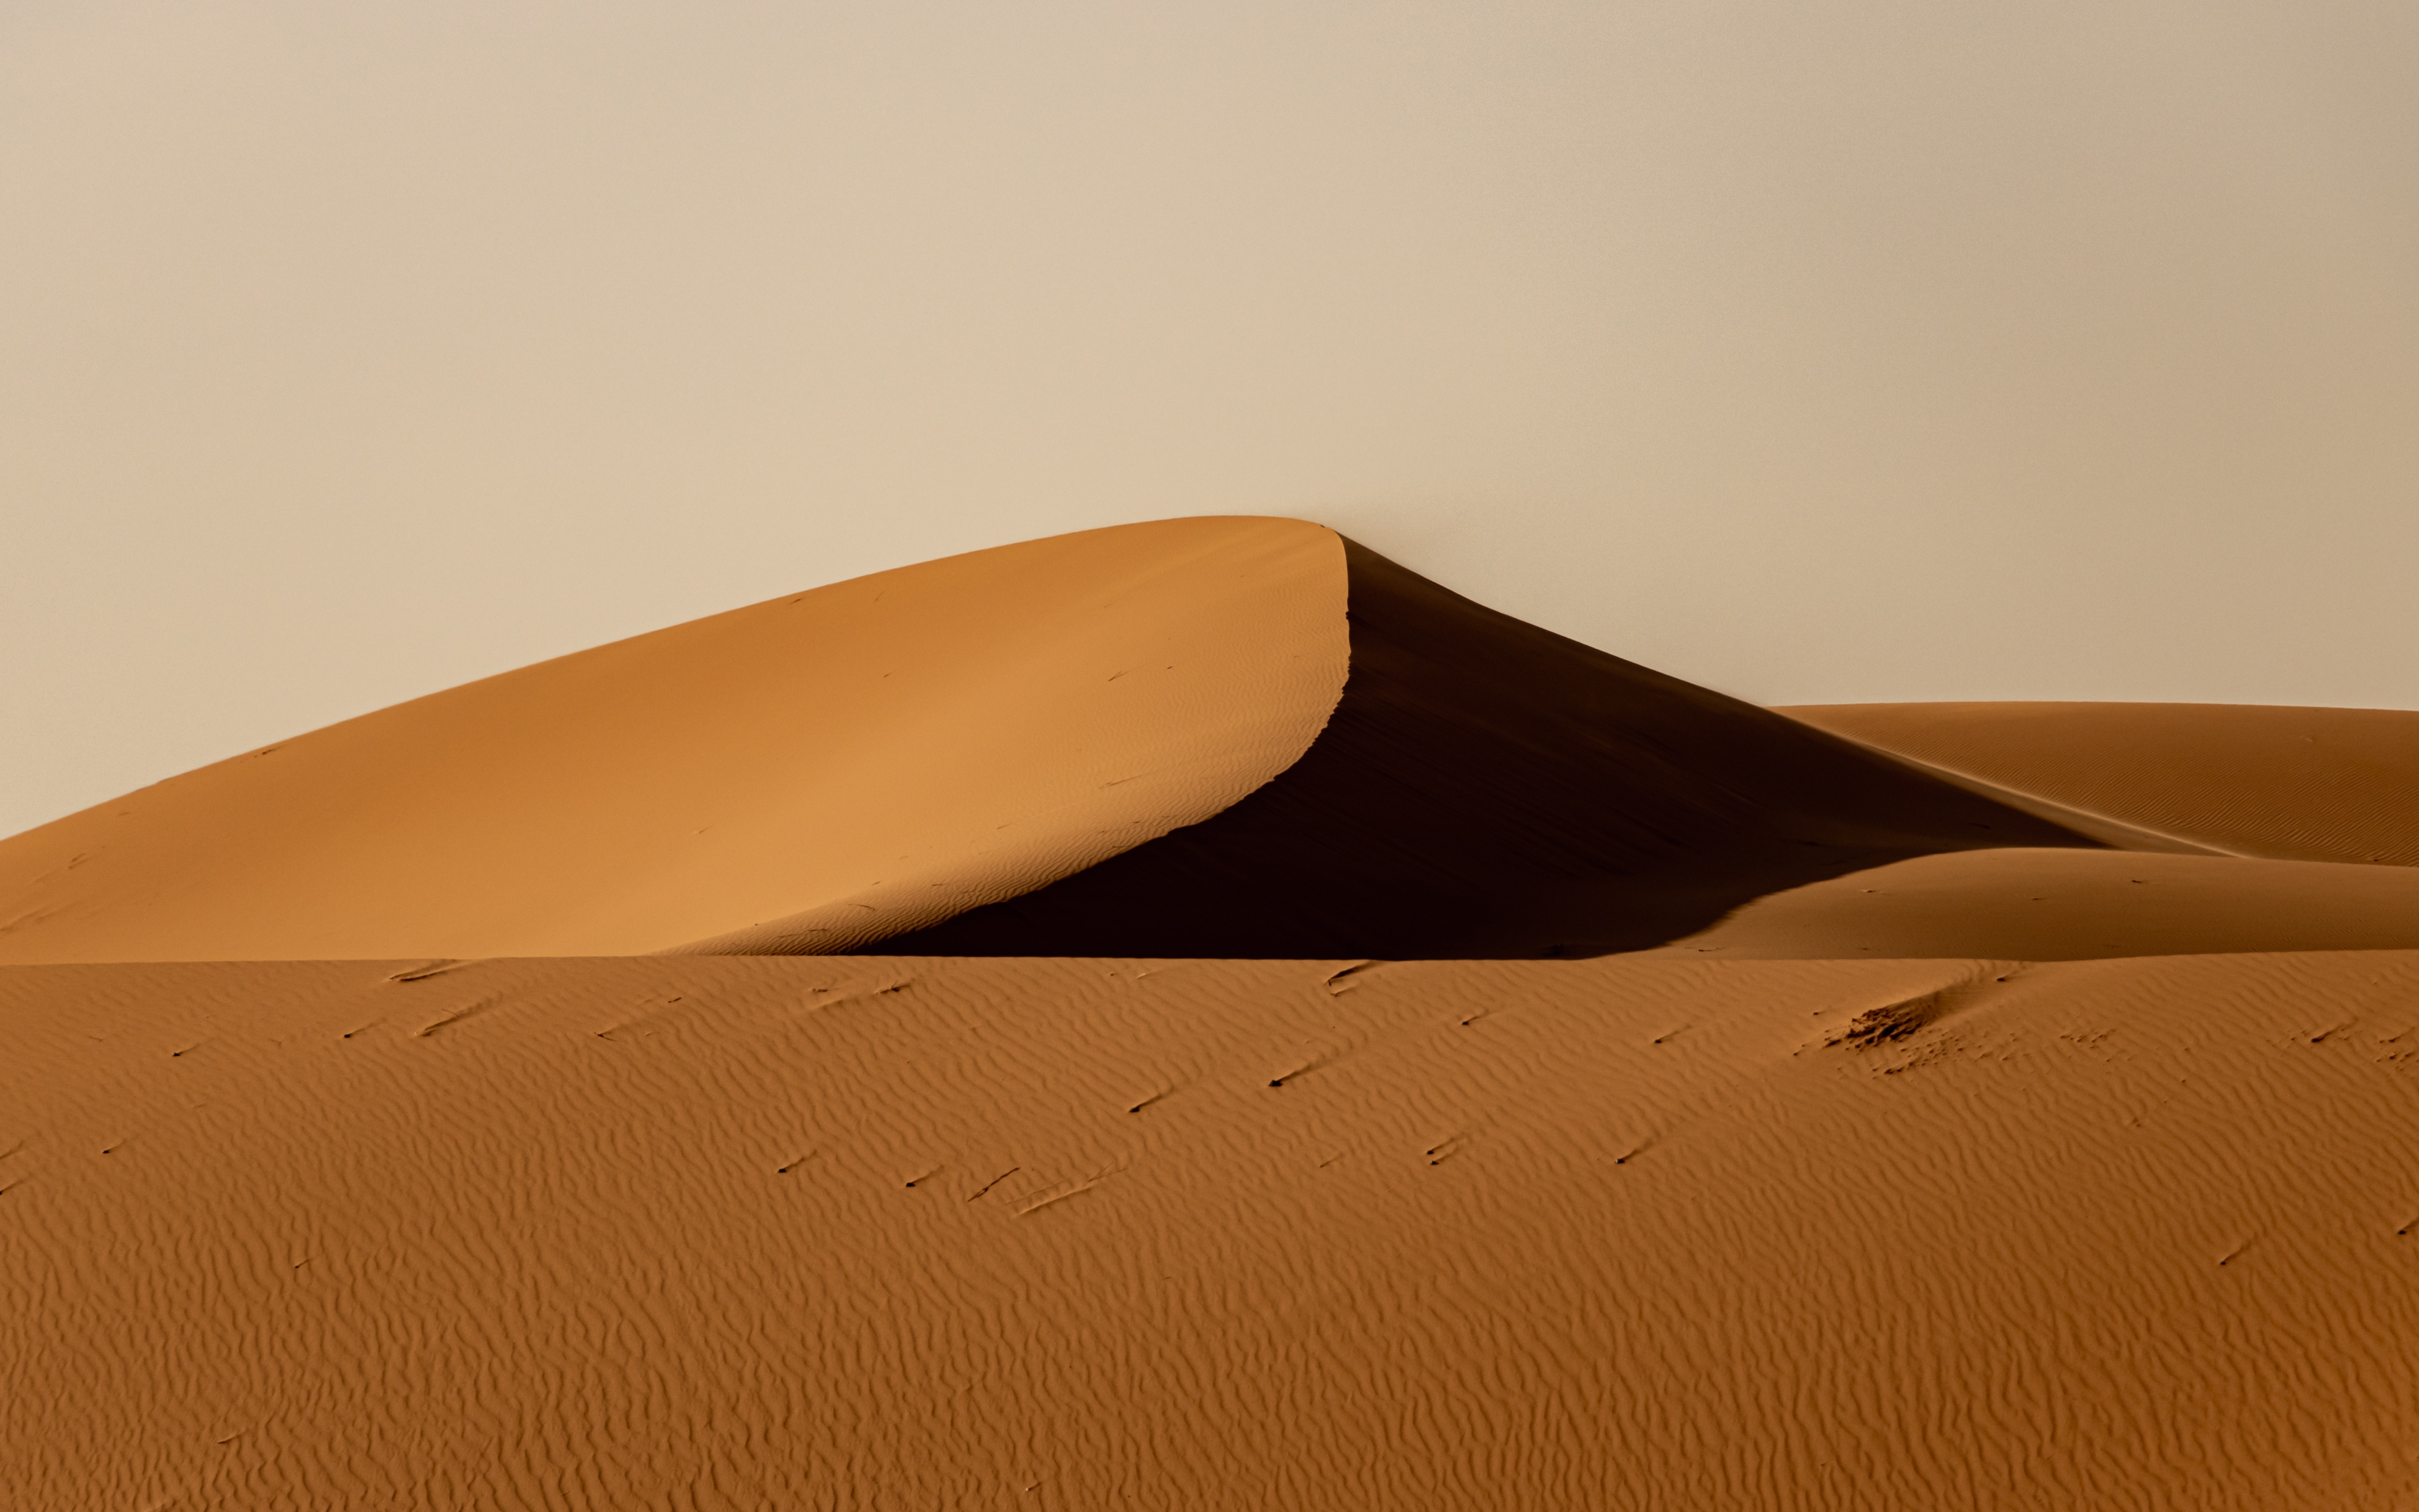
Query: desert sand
x=891 y=748
x=1488 y=788
x=2075 y=905
x=1196 y=1015
x=898 y=1232
x=2288 y=785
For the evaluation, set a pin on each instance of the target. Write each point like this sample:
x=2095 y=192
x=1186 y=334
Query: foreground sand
x=1816 y=1195
x=851 y=1232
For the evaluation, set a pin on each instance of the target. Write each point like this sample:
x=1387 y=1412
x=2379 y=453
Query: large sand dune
x=890 y=748
x=1485 y=788
x=1976 y=1107
x=1225 y=737
x=913 y=1233
x=1231 y=736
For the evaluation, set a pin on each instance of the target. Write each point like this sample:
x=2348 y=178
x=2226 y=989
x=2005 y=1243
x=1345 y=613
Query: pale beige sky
x=1817 y=351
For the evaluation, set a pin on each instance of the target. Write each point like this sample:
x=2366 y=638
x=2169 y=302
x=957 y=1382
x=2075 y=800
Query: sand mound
x=1725 y=1224
x=852 y=766
x=2074 y=905
x=2282 y=783
x=904 y=1233
x=1232 y=737
x=854 y=760
x=1488 y=788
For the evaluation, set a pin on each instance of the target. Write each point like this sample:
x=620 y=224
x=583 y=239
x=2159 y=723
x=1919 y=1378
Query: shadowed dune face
x=1488 y=788
x=842 y=763
x=953 y=757
x=1232 y=737
x=752 y=1222
x=2291 y=784
x=891 y=1233
x=2074 y=905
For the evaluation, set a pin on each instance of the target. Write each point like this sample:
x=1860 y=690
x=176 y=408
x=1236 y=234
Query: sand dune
x=1488 y=788
x=1154 y=740
x=912 y=1232
x=1979 y=1106
x=2290 y=784
x=1232 y=737
x=2072 y=906
x=889 y=748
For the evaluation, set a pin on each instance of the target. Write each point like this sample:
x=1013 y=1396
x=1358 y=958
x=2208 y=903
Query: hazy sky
x=1817 y=351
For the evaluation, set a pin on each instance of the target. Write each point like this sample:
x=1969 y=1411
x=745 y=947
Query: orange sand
x=2072 y=906
x=1488 y=788
x=1161 y=739
x=890 y=748
x=1992 y=1106
x=906 y=1233
x=2286 y=785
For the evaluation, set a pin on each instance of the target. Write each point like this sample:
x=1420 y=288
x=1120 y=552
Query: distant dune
x=2284 y=784
x=1074 y=1026
x=908 y=1233
x=2075 y=905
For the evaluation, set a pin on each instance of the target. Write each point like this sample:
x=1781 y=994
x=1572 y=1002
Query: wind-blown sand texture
x=906 y=1233
x=1976 y=1107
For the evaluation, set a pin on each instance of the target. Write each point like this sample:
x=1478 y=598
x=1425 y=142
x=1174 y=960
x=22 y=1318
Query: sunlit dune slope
x=1488 y=788
x=2292 y=784
x=856 y=758
x=2069 y=905
x=905 y=1233
x=861 y=762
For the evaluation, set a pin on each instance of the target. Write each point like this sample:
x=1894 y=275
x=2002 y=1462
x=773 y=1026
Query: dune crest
x=852 y=760
x=1229 y=736
x=1486 y=788
x=1851 y=1174
x=1225 y=737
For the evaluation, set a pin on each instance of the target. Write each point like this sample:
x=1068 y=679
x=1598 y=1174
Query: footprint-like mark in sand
x=1906 y=1017
x=996 y=1181
x=1342 y=982
x=1065 y=1191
